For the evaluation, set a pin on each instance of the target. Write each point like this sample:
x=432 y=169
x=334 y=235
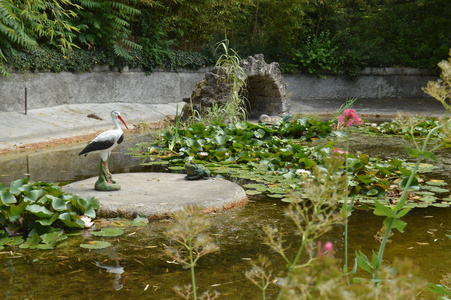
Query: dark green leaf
x=96 y=245
x=38 y=210
x=108 y=232
x=382 y=210
x=7 y=198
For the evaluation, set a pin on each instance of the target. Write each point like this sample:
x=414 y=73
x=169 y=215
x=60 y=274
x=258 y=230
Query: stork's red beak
x=122 y=120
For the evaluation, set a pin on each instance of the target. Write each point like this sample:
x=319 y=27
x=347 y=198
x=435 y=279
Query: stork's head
x=117 y=115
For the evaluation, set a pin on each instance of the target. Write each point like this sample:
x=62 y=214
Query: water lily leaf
x=440 y=204
x=376 y=190
x=7 y=198
x=176 y=168
x=108 y=232
x=33 y=195
x=58 y=204
x=429 y=199
x=277 y=195
x=96 y=245
x=52 y=238
x=18 y=186
x=17 y=209
x=413 y=184
x=259 y=133
x=436 y=182
x=259 y=187
x=40 y=211
x=11 y=241
x=139 y=221
x=49 y=221
x=72 y=220
x=241 y=125
x=31 y=242
x=435 y=189
x=94 y=203
x=252 y=192
x=276 y=190
x=219 y=139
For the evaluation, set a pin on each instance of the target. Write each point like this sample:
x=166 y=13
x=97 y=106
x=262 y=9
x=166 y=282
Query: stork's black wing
x=98 y=145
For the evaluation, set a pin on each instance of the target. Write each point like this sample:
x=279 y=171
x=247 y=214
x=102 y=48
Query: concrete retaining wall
x=47 y=89
x=372 y=83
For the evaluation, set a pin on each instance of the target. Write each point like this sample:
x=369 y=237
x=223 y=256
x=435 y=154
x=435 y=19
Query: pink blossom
x=87 y=220
x=327 y=250
x=339 y=151
x=349 y=117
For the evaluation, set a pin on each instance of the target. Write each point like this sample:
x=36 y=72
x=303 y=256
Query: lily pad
x=276 y=195
x=257 y=186
x=436 y=182
x=435 y=189
x=96 y=245
x=252 y=192
x=108 y=232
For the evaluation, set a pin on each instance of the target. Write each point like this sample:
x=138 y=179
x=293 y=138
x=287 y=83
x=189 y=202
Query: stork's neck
x=116 y=124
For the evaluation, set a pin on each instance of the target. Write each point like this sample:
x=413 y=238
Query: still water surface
x=135 y=266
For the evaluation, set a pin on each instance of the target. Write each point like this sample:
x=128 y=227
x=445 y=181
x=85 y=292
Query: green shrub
x=40 y=213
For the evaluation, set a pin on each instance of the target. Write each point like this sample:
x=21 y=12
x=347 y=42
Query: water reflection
x=63 y=164
x=136 y=265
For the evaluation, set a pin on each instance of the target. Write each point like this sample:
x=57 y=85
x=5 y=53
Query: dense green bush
x=314 y=36
x=39 y=214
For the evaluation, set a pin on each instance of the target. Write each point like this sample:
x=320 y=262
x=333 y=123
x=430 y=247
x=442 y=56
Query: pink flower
x=327 y=250
x=349 y=117
x=339 y=151
x=87 y=220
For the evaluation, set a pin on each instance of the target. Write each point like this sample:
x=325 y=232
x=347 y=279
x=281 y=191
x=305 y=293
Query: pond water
x=136 y=266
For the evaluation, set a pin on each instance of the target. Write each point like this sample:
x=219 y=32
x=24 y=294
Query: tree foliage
x=339 y=36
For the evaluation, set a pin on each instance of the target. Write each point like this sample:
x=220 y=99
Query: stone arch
x=265 y=89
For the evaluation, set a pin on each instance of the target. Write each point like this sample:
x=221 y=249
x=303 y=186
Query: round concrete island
x=158 y=195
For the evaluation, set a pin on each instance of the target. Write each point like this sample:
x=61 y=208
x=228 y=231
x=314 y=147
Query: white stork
x=106 y=141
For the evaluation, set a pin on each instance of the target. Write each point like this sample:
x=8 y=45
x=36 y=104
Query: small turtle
x=195 y=171
x=273 y=119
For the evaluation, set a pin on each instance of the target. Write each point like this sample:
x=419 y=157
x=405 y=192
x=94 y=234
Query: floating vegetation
x=108 y=232
x=275 y=160
x=96 y=245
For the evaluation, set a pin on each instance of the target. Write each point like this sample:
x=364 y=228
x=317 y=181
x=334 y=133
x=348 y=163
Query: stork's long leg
x=107 y=172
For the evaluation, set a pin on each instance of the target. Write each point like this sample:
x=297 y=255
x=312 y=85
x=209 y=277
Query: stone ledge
x=158 y=195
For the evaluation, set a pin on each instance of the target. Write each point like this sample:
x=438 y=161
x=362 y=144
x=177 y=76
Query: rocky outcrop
x=265 y=89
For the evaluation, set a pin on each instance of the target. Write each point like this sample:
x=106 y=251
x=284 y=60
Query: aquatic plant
x=394 y=213
x=348 y=117
x=260 y=274
x=234 y=77
x=419 y=126
x=441 y=89
x=313 y=214
x=192 y=241
x=37 y=214
x=324 y=280
x=272 y=156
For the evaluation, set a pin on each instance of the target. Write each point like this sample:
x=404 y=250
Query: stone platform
x=158 y=195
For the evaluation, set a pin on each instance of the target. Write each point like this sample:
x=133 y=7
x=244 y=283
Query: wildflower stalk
x=346 y=118
x=189 y=232
x=402 y=201
x=347 y=212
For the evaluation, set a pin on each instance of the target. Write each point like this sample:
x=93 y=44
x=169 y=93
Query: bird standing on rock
x=103 y=144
